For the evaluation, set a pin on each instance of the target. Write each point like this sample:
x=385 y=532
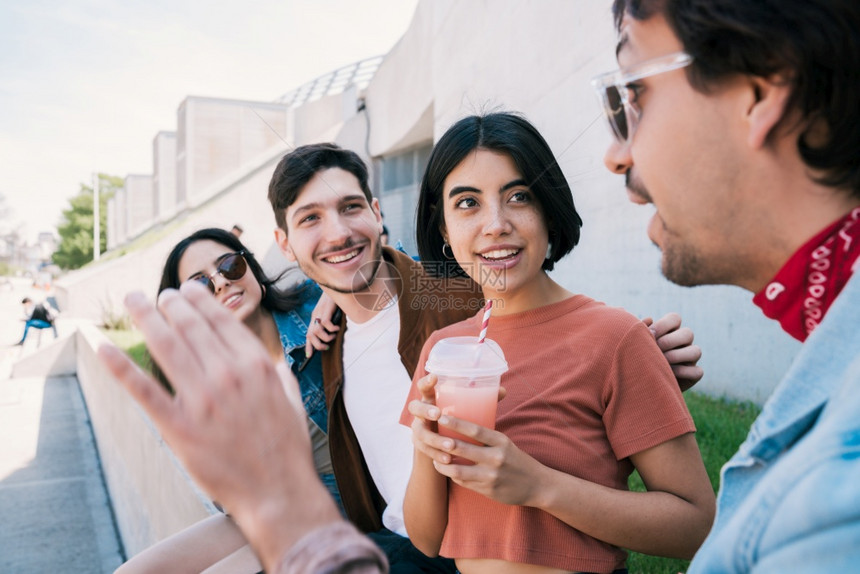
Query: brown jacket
x=425 y=304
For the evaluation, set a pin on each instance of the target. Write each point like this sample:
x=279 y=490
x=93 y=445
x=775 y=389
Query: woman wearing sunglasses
x=589 y=396
x=217 y=259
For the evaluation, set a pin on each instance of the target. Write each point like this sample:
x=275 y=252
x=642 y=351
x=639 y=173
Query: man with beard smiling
x=738 y=120
x=330 y=224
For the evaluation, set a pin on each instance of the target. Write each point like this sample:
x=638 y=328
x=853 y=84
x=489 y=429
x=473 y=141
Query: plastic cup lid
x=464 y=356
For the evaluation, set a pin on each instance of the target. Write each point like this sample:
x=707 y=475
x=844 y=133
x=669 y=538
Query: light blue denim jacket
x=790 y=497
x=293 y=327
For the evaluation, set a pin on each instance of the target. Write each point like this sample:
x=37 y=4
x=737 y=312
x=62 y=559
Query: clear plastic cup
x=468 y=374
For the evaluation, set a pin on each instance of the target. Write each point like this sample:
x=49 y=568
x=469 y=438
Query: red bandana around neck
x=803 y=290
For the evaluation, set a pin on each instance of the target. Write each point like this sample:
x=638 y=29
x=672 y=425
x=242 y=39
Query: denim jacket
x=790 y=497
x=293 y=327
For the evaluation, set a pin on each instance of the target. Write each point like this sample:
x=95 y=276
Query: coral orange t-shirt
x=587 y=387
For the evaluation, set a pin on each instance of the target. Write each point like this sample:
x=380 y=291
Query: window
x=398 y=178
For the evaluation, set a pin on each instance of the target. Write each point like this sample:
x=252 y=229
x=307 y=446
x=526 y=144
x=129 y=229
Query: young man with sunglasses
x=738 y=120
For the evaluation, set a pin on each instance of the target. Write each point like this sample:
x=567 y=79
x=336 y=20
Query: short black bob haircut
x=514 y=136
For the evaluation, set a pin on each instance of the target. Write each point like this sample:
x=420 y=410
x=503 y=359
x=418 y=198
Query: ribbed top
x=587 y=387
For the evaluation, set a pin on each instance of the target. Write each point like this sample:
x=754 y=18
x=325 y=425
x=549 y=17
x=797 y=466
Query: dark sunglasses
x=231 y=266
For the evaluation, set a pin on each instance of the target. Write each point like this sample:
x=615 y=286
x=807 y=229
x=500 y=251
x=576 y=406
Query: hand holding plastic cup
x=468 y=375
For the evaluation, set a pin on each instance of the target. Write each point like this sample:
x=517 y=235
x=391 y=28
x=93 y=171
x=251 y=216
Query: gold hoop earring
x=444 y=245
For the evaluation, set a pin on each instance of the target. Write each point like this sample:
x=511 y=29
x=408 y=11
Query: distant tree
x=76 y=226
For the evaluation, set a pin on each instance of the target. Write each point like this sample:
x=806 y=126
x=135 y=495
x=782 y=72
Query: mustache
x=635 y=186
x=350 y=242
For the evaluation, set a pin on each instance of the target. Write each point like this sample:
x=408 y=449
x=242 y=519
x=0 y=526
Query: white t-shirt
x=375 y=387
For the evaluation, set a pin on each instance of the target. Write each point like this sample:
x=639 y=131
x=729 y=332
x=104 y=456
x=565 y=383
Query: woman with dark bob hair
x=588 y=395
x=514 y=136
x=217 y=259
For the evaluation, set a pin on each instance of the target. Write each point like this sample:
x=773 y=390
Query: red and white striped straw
x=485 y=322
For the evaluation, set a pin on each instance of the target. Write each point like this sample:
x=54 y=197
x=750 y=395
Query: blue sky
x=86 y=85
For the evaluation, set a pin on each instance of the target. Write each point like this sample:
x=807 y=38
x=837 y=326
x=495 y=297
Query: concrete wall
x=322 y=119
x=57 y=359
x=219 y=138
x=164 y=175
x=121 y=212
x=394 y=115
x=152 y=495
x=111 y=231
x=139 y=203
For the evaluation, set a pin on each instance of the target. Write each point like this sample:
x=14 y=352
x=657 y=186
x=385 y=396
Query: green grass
x=721 y=427
x=131 y=342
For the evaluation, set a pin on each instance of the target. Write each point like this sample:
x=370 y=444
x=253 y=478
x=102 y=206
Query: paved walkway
x=55 y=514
x=55 y=509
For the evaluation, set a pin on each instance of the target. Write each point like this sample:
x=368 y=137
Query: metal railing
x=356 y=74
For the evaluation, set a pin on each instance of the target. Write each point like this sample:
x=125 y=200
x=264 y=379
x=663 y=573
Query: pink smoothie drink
x=474 y=401
x=468 y=374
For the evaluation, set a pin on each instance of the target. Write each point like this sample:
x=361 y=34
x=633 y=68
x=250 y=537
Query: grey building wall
x=121 y=216
x=218 y=138
x=165 y=200
x=110 y=232
x=139 y=203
